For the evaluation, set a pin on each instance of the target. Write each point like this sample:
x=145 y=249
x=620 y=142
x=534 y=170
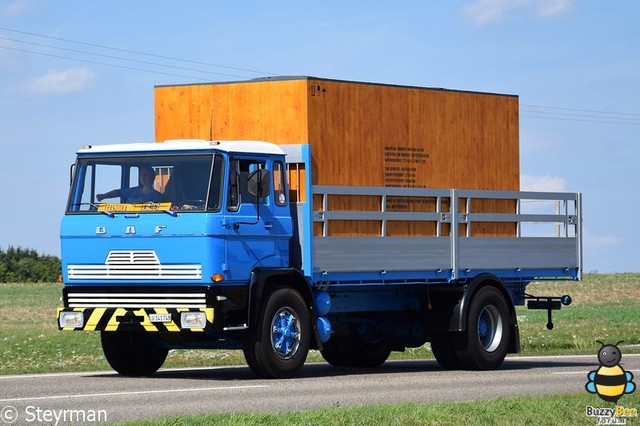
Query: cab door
x=249 y=220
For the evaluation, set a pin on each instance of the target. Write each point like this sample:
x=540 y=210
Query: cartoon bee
x=610 y=381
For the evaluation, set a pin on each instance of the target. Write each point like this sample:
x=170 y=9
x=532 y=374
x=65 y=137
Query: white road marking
x=147 y=392
x=111 y=372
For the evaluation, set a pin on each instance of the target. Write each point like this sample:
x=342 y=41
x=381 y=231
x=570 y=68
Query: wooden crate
x=362 y=134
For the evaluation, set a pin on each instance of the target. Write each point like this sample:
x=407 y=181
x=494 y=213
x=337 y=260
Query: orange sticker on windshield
x=135 y=207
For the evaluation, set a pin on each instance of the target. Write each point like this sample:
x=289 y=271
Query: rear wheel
x=353 y=351
x=278 y=346
x=444 y=350
x=132 y=353
x=486 y=340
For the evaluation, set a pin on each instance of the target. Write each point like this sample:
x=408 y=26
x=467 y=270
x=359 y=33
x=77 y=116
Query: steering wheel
x=192 y=204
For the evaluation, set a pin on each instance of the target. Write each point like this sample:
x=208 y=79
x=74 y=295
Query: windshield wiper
x=97 y=207
x=160 y=208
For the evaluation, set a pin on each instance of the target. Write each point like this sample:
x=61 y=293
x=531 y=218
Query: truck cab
x=216 y=212
x=206 y=202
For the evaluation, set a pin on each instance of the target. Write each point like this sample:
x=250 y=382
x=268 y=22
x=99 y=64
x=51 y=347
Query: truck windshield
x=109 y=185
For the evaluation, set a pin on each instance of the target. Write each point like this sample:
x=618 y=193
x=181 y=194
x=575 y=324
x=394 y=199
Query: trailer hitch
x=550 y=303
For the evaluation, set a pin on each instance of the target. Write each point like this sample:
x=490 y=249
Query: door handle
x=268 y=225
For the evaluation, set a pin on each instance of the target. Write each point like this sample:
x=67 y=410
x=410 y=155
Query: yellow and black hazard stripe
x=124 y=319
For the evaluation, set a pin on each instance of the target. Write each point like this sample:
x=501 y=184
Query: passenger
x=140 y=194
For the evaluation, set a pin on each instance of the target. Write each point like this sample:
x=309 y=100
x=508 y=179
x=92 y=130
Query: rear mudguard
x=458 y=320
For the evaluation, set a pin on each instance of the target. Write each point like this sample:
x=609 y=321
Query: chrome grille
x=139 y=257
x=136 y=300
x=134 y=265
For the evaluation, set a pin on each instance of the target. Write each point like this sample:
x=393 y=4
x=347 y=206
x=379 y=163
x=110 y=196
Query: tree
x=26 y=265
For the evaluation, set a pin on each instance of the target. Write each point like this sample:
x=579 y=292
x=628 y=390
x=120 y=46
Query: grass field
x=605 y=307
x=554 y=410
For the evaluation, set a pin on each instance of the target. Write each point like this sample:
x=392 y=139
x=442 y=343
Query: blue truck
x=228 y=253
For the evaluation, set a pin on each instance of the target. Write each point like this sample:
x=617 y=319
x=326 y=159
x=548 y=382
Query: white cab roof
x=177 y=145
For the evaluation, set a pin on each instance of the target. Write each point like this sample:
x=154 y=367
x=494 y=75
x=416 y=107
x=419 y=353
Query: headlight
x=193 y=320
x=71 y=320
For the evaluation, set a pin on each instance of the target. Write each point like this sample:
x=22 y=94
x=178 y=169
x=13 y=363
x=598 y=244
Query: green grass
x=29 y=339
x=605 y=307
x=567 y=409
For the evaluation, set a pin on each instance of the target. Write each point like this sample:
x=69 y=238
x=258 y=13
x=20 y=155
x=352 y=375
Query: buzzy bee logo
x=610 y=382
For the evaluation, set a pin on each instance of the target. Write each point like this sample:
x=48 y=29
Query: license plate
x=160 y=317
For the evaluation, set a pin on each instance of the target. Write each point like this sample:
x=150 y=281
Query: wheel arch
x=266 y=280
x=459 y=315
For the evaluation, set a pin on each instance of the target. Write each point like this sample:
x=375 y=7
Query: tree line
x=18 y=265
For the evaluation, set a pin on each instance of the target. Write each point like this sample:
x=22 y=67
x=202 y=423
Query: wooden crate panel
x=272 y=111
x=378 y=135
x=362 y=134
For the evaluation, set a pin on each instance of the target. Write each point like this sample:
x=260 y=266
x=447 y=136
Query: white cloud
x=551 y=8
x=16 y=8
x=596 y=243
x=489 y=11
x=67 y=81
x=542 y=183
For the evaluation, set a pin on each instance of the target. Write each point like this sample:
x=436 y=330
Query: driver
x=142 y=193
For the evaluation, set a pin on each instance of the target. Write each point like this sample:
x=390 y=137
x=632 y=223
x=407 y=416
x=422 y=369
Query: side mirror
x=72 y=171
x=259 y=183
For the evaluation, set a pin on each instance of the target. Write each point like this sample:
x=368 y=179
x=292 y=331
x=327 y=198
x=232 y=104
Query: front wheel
x=132 y=353
x=488 y=335
x=278 y=345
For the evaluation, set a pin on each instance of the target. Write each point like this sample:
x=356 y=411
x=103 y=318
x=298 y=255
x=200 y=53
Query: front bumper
x=136 y=319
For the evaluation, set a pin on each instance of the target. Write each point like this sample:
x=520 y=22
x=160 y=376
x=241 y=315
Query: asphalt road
x=29 y=399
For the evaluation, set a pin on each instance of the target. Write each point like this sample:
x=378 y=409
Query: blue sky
x=76 y=72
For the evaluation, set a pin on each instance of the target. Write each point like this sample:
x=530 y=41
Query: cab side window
x=239 y=171
x=279 y=192
x=234 y=190
x=215 y=189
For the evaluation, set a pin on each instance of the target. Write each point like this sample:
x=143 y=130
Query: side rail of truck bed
x=383 y=234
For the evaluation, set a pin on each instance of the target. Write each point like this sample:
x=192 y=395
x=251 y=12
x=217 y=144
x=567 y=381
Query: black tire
x=488 y=335
x=278 y=345
x=336 y=351
x=444 y=350
x=353 y=351
x=132 y=353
